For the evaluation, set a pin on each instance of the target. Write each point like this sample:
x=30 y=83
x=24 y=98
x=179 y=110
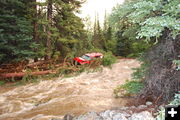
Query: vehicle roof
x=94 y=54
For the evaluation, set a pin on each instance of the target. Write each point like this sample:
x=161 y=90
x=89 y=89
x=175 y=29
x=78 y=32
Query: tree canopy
x=153 y=26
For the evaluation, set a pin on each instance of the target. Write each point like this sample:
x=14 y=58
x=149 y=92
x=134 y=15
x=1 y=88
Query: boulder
x=89 y=116
x=148 y=103
x=145 y=115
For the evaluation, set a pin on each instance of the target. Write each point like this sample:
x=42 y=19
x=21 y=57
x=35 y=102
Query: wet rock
x=68 y=117
x=133 y=107
x=142 y=106
x=119 y=116
x=142 y=116
x=89 y=116
x=112 y=113
x=105 y=114
x=56 y=119
x=124 y=108
x=148 y=103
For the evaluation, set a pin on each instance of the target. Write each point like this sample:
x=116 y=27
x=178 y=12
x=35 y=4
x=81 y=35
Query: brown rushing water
x=75 y=95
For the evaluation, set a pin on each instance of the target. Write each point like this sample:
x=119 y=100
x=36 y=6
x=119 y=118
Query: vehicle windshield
x=86 y=57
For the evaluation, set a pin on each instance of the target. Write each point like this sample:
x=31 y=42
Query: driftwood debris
x=21 y=74
x=41 y=68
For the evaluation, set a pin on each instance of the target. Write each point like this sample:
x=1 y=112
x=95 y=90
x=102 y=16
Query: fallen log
x=21 y=74
x=36 y=63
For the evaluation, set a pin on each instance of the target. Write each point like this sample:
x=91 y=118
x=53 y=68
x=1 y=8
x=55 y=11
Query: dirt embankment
x=75 y=95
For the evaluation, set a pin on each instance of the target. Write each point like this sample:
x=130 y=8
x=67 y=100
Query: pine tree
x=69 y=27
x=98 y=37
x=15 y=31
x=105 y=23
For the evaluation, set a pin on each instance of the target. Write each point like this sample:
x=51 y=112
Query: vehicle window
x=86 y=57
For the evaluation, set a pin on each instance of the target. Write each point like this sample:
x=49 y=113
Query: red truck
x=87 y=58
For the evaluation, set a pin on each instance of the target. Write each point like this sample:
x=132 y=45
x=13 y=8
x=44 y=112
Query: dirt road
x=75 y=95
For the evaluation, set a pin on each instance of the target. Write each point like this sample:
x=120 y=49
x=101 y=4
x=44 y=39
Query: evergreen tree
x=98 y=37
x=68 y=27
x=15 y=31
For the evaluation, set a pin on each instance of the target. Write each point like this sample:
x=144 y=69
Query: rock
x=105 y=114
x=142 y=106
x=68 y=117
x=142 y=116
x=119 y=116
x=89 y=116
x=112 y=113
x=125 y=114
x=124 y=108
x=148 y=103
x=133 y=107
x=56 y=119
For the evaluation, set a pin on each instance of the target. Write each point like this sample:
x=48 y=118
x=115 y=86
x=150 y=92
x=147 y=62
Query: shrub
x=108 y=59
x=139 y=73
x=128 y=89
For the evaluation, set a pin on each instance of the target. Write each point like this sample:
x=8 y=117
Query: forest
x=51 y=32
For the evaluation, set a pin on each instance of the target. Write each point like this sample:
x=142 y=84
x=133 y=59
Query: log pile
x=40 y=68
x=32 y=69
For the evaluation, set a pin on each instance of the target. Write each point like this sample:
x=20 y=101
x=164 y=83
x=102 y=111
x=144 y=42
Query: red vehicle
x=87 y=58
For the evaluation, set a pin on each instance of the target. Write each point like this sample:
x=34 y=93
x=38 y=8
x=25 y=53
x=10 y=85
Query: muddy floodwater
x=75 y=95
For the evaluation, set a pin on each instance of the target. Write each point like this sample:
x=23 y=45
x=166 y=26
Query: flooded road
x=76 y=95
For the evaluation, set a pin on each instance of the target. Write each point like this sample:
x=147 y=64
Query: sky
x=91 y=7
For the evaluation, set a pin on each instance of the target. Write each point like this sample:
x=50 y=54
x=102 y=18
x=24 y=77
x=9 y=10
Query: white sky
x=98 y=6
x=91 y=7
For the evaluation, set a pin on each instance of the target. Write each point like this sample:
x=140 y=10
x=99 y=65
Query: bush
x=128 y=89
x=108 y=59
x=140 y=72
x=133 y=87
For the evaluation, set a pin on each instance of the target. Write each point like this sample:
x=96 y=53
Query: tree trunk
x=35 y=27
x=49 y=18
x=21 y=74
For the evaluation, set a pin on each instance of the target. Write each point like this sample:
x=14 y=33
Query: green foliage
x=128 y=89
x=133 y=86
x=161 y=112
x=177 y=62
x=143 y=20
x=98 y=39
x=67 y=32
x=108 y=59
x=139 y=73
x=153 y=27
x=15 y=32
x=2 y=83
x=18 y=29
